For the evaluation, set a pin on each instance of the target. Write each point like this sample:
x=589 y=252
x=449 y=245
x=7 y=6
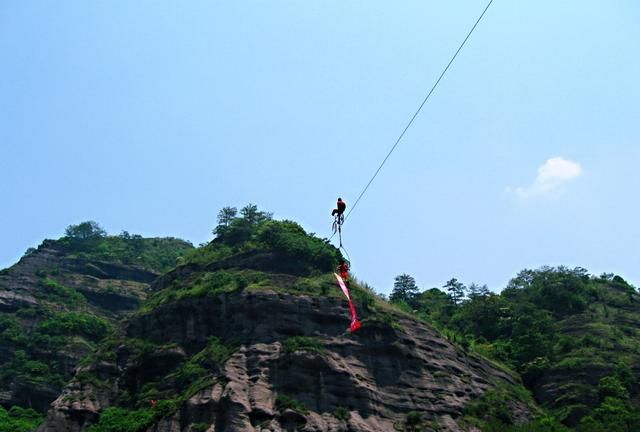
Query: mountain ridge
x=250 y=332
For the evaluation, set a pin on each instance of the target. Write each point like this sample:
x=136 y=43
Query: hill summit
x=250 y=333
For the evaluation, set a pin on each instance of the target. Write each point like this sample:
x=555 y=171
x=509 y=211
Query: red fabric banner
x=355 y=324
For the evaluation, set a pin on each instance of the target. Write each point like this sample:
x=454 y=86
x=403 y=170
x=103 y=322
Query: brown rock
x=378 y=375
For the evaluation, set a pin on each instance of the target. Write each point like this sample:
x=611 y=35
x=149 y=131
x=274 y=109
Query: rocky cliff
x=224 y=346
x=111 y=286
x=595 y=345
x=248 y=333
x=55 y=305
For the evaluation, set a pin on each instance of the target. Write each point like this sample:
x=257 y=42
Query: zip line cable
x=417 y=111
x=347 y=255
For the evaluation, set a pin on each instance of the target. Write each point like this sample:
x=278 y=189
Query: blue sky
x=151 y=116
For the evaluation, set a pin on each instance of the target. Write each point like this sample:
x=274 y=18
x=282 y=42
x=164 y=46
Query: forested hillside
x=59 y=301
x=573 y=337
x=250 y=332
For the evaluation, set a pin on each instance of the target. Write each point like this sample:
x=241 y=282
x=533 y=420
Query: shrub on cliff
x=115 y=419
x=302 y=343
x=88 y=240
x=295 y=244
x=556 y=321
x=85 y=231
x=299 y=252
x=19 y=419
x=233 y=230
x=74 y=323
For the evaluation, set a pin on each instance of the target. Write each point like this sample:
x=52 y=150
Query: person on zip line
x=343 y=268
x=338 y=212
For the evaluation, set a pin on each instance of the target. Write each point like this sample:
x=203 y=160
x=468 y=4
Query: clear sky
x=150 y=116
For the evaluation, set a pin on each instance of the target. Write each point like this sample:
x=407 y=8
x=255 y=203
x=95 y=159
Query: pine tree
x=404 y=289
x=225 y=217
x=456 y=290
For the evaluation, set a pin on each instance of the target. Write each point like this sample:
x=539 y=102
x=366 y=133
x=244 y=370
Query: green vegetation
x=286 y=248
x=26 y=367
x=86 y=377
x=89 y=230
x=543 y=424
x=414 y=418
x=206 y=284
x=75 y=323
x=33 y=353
x=19 y=419
x=89 y=241
x=284 y=402
x=413 y=422
x=495 y=405
x=305 y=253
x=37 y=340
x=615 y=411
x=116 y=419
x=302 y=343
x=551 y=319
x=202 y=368
x=298 y=252
x=556 y=322
x=56 y=292
x=341 y=413
x=320 y=285
x=170 y=389
x=404 y=289
x=177 y=382
x=214 y=354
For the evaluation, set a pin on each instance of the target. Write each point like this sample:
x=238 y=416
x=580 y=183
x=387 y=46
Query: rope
x=417 y=112
x=347 y=255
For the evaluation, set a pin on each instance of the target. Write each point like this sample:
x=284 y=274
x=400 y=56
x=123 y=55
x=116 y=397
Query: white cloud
x=551 y=176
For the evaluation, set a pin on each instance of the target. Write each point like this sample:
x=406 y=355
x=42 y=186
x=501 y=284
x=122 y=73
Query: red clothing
x=344 y=271
x=341 y=206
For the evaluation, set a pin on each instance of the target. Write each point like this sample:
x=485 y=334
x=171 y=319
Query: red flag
x=355 y=324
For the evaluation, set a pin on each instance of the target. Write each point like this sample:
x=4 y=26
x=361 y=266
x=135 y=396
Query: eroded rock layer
x=368 y=381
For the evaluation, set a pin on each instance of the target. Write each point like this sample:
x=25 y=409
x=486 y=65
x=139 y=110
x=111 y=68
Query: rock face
x=110 y=289
x=574 y=387
x=11 y=301
x=374 y=377
x=112 y=286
